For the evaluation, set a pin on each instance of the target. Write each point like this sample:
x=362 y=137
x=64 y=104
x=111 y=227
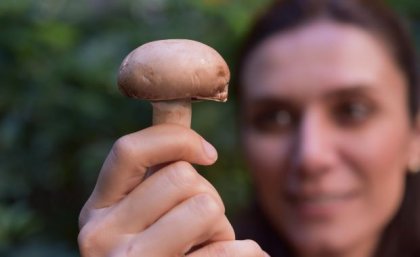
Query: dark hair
x=402 y=235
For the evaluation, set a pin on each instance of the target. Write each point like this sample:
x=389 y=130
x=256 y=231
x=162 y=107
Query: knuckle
x=89 y=240
x=123 y=148
x=254 y=247
x=182 y=175
x=223 y=230
x=207 y=206
x=230 y=231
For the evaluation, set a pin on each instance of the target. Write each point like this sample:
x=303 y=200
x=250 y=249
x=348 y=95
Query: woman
x=329 y=127
x=314 y=105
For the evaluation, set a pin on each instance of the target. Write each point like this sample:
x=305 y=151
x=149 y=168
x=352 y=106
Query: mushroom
x=172 y=73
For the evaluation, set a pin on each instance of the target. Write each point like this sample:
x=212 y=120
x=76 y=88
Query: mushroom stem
x=172 y=111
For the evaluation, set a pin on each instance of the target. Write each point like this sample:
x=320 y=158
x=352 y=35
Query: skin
x=174 y=212
x=327 y=136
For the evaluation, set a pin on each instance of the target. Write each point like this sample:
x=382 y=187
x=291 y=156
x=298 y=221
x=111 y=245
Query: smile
x=322 y=205
x=323 y=199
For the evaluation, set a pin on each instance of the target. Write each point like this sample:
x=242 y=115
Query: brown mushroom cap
x=174 y=69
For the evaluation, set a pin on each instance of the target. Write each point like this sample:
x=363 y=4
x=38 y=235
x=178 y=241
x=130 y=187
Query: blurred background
x=60 y=109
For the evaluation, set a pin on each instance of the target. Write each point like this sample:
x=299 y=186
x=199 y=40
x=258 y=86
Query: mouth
x=322 y=198
x=320 y=205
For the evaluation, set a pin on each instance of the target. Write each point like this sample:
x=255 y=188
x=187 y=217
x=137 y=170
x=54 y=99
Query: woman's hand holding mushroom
x=163 y=215
x=175 y=211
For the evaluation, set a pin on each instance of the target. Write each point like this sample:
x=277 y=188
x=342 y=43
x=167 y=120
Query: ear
x=414 y=154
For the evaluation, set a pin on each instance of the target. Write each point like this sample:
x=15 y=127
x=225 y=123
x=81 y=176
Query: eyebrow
x=349 y=91
x=342 y=92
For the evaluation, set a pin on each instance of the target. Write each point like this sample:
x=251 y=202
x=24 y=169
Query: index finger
x=131 y=155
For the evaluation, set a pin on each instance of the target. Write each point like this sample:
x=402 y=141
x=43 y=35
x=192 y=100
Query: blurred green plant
x=60 y=110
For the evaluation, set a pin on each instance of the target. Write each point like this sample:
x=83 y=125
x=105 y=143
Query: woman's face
x=327 y=136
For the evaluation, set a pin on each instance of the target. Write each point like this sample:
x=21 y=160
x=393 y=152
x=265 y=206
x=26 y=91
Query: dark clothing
x=252 y=224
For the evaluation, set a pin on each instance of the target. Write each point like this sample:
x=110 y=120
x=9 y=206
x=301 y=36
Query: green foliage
x=60 y=110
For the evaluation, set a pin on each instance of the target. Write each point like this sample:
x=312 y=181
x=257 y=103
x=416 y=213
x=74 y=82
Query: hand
x=174 y=212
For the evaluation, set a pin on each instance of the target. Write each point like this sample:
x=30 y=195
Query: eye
x=353 y=112
x=276 y=120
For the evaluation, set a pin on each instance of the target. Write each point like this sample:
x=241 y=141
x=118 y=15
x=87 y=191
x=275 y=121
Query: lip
x=320 y=205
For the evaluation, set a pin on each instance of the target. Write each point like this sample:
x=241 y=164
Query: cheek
x=376 y=163
x=379 y=160
x=266 y=157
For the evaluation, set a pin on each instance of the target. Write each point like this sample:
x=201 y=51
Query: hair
x=401 y=237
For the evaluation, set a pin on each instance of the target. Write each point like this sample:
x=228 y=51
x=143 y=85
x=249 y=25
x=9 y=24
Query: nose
x=314 y=151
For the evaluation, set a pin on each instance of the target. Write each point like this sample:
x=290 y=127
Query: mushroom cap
x=174 y=69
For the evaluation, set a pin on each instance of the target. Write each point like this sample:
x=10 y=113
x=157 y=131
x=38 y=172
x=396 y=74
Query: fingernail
x=209 y=150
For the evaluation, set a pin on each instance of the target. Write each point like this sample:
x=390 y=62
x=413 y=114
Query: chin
x=328 y=239
x=318 y=244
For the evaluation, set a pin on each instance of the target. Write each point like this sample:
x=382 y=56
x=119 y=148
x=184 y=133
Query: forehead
x=317 y=57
